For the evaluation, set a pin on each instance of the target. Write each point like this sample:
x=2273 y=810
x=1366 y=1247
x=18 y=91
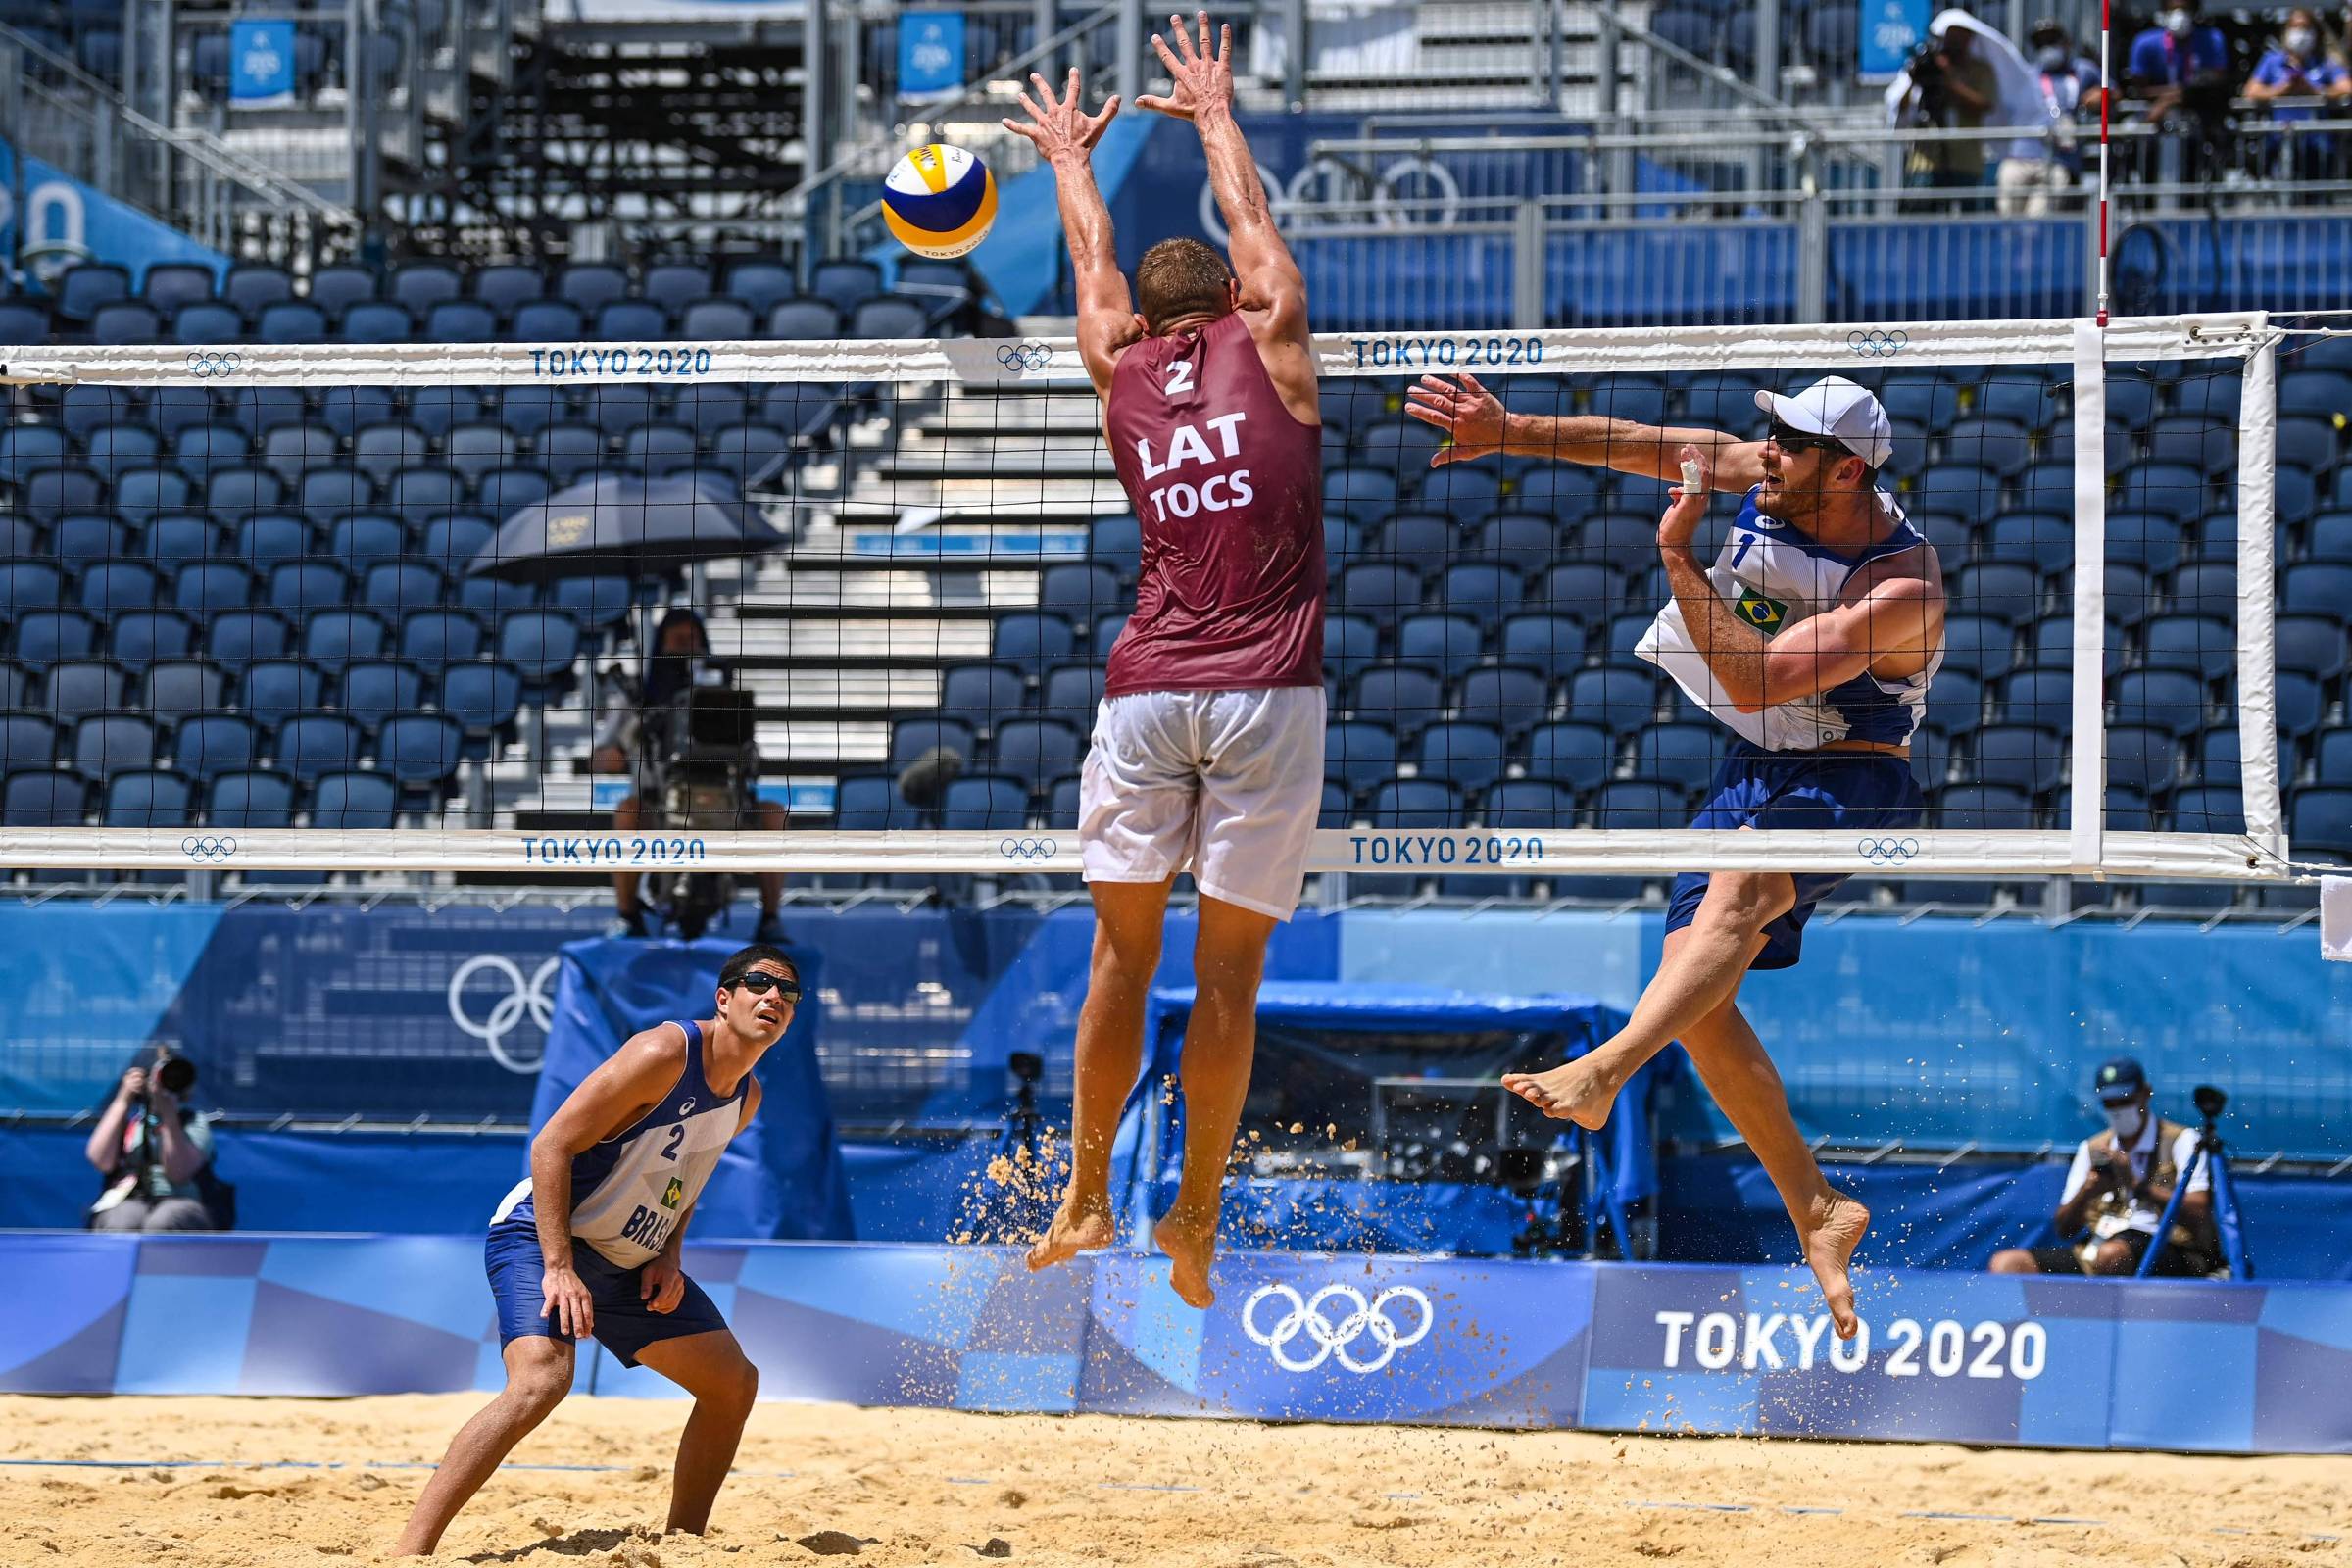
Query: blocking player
x=1208 y=749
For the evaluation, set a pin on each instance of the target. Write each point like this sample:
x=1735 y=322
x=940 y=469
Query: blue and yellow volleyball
x=940 y=201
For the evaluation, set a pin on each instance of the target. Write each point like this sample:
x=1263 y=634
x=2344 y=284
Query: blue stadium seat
x=148 y=798
x=1486 y=591
x=1448 y=643
x=568 y=451
x=83 y=540
x=2322 y=819
x=1573 y=752
x=762 y=285
x=2005 y=445
x=483 y=695
x=1528 y=543
x=2003 y=590
x=631 y=320
x=1469 y=754
x=26 y=741
x=911 y=738
x=475 y=449
x=30 y=584
x=356 y=801
x=591 y=285
x=493 y=598
x=298 y=587
x=1623 y=634
x=1468 y=495
x=424 y=491
x=1071 y=693
x=1683 y=754
x=421 y=285
x=2019 y=395
x=1919 y=398
x=143 y=636
x=1554 y=644
x=1619 y=540
x=2208 y=589
x=50 y=798
x=1524 y=804
x=394 y=588
x=373 y=690
x=50 y=493
x=1629 y=396
x=245 y=797
x=88 y=407
x=422 y=752
x=335 y=289
x=461 y=321
x=1618 y=698
x=2037 y=539
x=1379 y=590
x=713 y=406
x=2024 y=756
x=308 y=745
x=376 y=322
x=1645 y=803
x=1957 y=487
x=2316 y=588
x=1360 y=492
x=109 y=588
x=984 y=691
x=290 y=321
x=363 y=539
x=438 y=639
x=234 y=494
x=210 y=745
x=173 y=409
x=2149 y=540
x=252 y=285
x=139 y=494
x=2204 y=647
x=675 y=285
x=1566 y=495
x=271 y=691
x=115 y=450
x=348 y=410
x=1982 y=807
x=870 y=803
x=1036 y=751
x=547 y=322
x=2302 y=704
x=717 y=321
x=985 y=802
x=2318 y=394
x=1358 y=753
x=1726 y=401
x=379 y=451
x=1415 y=802
x=2195 y=441
x=334 y=638
x=506 y=286
x=236 y=638
x=2308 y=444
x=328 y=493
x=891 y=315
x=1350 y=645
x=510 y=490
x=600 y=604
x=439 y=409
x=845 y=282
x=1117 y=542
x=658 y=449
x=1404 y=696
x=2296 y=495
x=25 y=447
x=1420 y=540
x=1512 y=698
x=804 y=320
x=2145 y=757
x=541 y=643
x=172 y=688
x=752 y=453
x=2313 y=646
x=2209 y=809
x=2166 y=699
x=127 y=322
x=2038 y=697
x=258 y=410
x=1983 y=645
x=206 y=588
x=22 y=321
x=2173 y=489
x=452 y=542
x=107 y=744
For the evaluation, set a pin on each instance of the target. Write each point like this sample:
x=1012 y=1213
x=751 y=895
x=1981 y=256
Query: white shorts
x=1224 y=784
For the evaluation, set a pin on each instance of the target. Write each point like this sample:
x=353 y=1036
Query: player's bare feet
x=1575 y=1091
x=1080 y=1225
x=1830 y=1244
x=1192 y=1247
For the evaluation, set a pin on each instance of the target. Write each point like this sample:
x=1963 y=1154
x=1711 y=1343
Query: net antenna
x=958 y=372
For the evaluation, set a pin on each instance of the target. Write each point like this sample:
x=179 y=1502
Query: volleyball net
x=350 y=608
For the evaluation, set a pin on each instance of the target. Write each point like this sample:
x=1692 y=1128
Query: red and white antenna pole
x=2106 y=98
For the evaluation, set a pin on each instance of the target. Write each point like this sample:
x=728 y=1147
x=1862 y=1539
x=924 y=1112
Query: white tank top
x=1773 y=576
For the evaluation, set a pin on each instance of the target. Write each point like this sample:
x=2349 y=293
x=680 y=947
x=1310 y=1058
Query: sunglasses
x=759 y=982
x=1789 y=438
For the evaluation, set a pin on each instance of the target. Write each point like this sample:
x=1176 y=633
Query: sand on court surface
x=897 y=1488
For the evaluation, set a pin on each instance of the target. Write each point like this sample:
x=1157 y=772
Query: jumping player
x=1814 y=637
x=588 y=1244
x=1208 y=749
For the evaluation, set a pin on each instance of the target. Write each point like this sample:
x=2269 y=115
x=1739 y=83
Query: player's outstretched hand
x=1464 y=410
x=662 y=1284
x=1689 y=506
x=567 y=1304
x=1197 y=79
x=1058 y=126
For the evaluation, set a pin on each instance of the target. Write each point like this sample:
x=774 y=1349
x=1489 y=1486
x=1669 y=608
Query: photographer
x=2181 y=68
x=633 y=740
x=154 y=1153
x=2117 y=1190
x=1952 y=87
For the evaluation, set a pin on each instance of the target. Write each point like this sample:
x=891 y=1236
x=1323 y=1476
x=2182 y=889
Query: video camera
x=1928 y=81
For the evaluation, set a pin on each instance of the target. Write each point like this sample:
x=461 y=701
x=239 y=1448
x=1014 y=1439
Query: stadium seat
x=631 y=320
x=1644 y=804
x=1525 y=541
x=2302 y=704
x=484 y=697
x=600 y=604
x=1380 y=591
x=25 y=447
x=569 y=451
x=1983 y=645
x=1565 y=494
x=290 y=321
x=2145 y=757
x=715 y=320
x=1071 y=693
x=2041 y=540
x=1486 y=591
x=1358 y=753
x=1574 y=753
x=1036 y=749
x=148 y=797
x=2036 y=696
x=2003 y=590
x=1404 y=696
x=2023 y=757
x=547 y=322
x=139 y=494
x=376 y=322
x=2313 y=646
x=911 y=738
x=1683 y=754
x=421 y=285
x=1623 y=634
x=2166 y=699
x=1420 y=540
x=591 y=285
x=1471 y=755
x=752 y=453
x=334 y=638
x=1982 y=808
x=328 y=492
x=1426 y=803
x=115 y=451
x=347 y=410
x=209 y=745
x=81 y=541
x=1551 y=642
x=2318 y=394
x=1618 y=698
x=2317 y=588
x=422 y=752
x=45 y=798
x=985 y=802
x=507 y=287
x=244 y=797
x=2149 y=540
x=28 y=740
x=984 y=692
x=354 y=801
x=360 y=540
x=804 y=320
x=252 y=285
x=439 y=409
x=1989 y=441
x=1359 y=491
x=143 y=636
x=424 y=491
x=236 y=637
x=845 y=282
x=44 y=636
x=2322 y=820
x=870 y=803
x=373 y=690
x=308 y=745
x=299 y=587
x=291 y=450
x=379 y=451
x=889 y=317
x=1117 y=542
x=2203 y=647
x=106 y=744
x=2208 y=809
x=1627 y=543
x=269 y=691
x=658 y=449
x=452 y=542
x=1468 y=495
x=1512 y=698
x=2195 y=441
x=172 y=688
x=1350 y=645
x=127 y=322
x=2173 y=489
x=1446 y=643
x=762 y=285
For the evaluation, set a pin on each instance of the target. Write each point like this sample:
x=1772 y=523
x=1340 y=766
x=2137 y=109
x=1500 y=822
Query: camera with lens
x=174 y=1075
x=2211 y=1101
x=1927 y=79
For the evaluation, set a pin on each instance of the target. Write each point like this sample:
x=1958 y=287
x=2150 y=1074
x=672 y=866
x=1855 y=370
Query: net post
x=2257 y=604
x=2086 y=794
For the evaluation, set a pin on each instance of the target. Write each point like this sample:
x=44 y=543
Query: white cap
x=1836 y=408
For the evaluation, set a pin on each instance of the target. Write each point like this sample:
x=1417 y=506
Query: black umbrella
x=623 y=527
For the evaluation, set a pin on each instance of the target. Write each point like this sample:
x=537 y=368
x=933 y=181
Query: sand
x=897 y=1488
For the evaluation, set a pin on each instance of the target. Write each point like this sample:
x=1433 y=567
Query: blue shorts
x=1859 y=792
x=624 y=1324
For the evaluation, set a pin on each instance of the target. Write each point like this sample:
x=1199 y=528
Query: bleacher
x=250 y=608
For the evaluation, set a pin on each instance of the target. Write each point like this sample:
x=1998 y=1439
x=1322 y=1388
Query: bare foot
x=1079 y=1226
x=1829 y=1244
x=1575 y=1091
x=1192 y=1247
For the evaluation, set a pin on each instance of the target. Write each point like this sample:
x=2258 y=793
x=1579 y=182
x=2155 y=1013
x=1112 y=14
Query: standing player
x=588 y=1244
x=1208 y=747
x=1813 y=637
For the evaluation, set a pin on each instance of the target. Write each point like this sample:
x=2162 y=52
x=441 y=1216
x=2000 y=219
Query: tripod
x=2211 y=1101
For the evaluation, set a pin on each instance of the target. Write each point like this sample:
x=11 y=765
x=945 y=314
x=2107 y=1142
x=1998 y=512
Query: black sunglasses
x=1789 y=438
x=760 y=981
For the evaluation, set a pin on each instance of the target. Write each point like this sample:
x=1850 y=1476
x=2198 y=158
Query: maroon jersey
x=1227 y=486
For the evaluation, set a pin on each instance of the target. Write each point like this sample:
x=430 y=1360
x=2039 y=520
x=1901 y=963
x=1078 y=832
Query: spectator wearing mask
x=2181 y=68
x=152 y=1154
x=624 y=745
x=2117 y=1189
x=1951 y=88
x=2299 y=68
x=2066 y=86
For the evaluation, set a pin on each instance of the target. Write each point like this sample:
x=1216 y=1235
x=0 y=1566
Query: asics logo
x=213 y=362
x=1022 y=357
x=1365 y=1325
x=517 y=997
x=207 y=847
x=1029 y=849
x=1886 y=851
x=1877 y=345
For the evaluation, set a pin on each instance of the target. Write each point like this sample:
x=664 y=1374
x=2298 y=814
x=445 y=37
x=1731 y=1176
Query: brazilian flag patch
x=672 y=1193
x=1765 y=615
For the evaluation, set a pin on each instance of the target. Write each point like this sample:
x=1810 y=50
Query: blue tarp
x=783 y=1179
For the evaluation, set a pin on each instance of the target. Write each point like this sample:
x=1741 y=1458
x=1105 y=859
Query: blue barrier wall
x=2050 y=1363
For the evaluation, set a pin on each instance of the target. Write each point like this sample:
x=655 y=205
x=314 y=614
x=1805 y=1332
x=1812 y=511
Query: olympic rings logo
x=1029 y=849
x=1022 y=357
x=210 y=363
x=1886 y=851
x=1877 y=345
x=207 y=847
x=522 y=996
x=1337 y=1338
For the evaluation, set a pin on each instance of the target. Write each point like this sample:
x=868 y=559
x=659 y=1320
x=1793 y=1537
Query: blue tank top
x=629 y=1192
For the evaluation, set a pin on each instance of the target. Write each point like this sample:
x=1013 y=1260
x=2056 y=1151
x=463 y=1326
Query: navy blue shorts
x=624 y=1324
x=1865 y=793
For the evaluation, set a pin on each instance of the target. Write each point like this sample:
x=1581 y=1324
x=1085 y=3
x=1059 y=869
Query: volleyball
x=940 y=201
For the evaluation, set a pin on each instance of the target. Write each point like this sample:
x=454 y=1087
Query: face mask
x=2299 y=41
x=2052 y=59
x=2178 y=23
x=2125 y=1121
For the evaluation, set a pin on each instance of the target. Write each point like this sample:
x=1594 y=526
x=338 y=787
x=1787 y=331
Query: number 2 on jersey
x=677 y=1136
x=1180 y=378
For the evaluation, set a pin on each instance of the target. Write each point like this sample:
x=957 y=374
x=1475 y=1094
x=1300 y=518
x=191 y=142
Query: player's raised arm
x=1480 y=427
x=1202 y=91
x=1065 y=135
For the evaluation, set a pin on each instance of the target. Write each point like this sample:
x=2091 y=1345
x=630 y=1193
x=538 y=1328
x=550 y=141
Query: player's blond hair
x=1179 y=277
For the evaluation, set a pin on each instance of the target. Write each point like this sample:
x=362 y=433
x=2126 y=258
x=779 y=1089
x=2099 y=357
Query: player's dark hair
x=1180 y=278
x=738 y=964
